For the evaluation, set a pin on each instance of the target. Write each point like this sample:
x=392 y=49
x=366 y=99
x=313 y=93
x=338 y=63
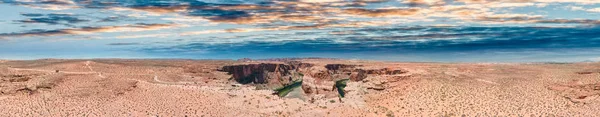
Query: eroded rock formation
x=337 y=67
x=259 y=73
x=358 y=74
x=276 y=73
x=318 y=79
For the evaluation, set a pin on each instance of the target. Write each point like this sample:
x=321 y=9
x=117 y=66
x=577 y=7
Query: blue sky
x=391 y=30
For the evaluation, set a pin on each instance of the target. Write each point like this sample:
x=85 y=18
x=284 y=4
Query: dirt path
x=87 y=64
x=50 y=71
x=156 y=79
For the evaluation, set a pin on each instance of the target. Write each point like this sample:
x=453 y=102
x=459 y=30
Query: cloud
x=60 y=2
x=571 y=21
x=89 y=30
x=255 y=14
x=509 y=18
x=424 y=2
x=530 y=1
x=512 y=5
x=52 y=19
x=320 y=1
x=123 y=44
x=488 y=1
x=163 y=35
x=32 y=14
x=231 y=30
x=523 y=18
x=281 y=28
x=311 y=14
x=569 y=1
x=576 y=8
x=482 y=14
x=394 y=41
x=154 y=10
x=277 y=11
x=382 y=12
x=202 y=32
x=594 y=10
x=579 y=8
x=46 y=4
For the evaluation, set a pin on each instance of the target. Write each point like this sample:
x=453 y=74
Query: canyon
x=129 y=87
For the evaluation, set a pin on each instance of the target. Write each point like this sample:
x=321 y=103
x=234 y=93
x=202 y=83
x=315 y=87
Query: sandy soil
x=55 y=87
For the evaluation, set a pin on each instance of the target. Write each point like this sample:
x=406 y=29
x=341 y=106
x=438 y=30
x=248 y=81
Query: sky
x=388 y=30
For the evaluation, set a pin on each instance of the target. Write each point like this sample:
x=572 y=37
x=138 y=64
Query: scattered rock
x=376 y=87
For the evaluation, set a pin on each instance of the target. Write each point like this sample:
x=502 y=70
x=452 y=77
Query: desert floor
x=114 y=87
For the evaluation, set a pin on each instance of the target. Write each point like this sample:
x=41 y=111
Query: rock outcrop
x=318 y=79
x=337 y=67
x=277 y=73
x=260 y=73
x=358 y=74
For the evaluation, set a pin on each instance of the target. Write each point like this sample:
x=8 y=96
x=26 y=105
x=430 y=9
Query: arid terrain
x=215 y=88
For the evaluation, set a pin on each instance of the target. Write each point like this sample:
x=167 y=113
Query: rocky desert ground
x=228 y=88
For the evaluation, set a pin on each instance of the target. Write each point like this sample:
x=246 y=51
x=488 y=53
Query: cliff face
x=336 y=67
x=358 y=74
x=269 y=73
x=258 y=73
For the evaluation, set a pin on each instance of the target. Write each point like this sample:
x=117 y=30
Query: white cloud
x=576 y=8
x=51 y=7
x=594 y=10
x=500 y=5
